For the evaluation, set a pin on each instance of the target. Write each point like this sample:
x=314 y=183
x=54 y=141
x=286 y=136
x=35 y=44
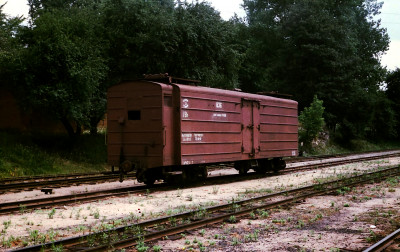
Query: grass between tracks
x=27 y=154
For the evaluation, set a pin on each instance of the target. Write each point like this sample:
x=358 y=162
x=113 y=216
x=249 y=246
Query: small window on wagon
x=134 y=115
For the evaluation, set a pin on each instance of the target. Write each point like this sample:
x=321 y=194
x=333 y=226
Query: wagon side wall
x=222 y=126
x=210 y=127
x=278 y=128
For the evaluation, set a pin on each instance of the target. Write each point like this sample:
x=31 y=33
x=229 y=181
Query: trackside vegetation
x=28 y=155
x=311 y=122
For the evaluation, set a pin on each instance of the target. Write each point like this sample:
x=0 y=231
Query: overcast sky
x=390 y=19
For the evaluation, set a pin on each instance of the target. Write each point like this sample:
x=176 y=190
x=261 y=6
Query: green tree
x=65 y=63
x=190 y=40
x=311 y=122
x=384 y=121
x=10 y=49
x=393 y=94
x=76 y=49
x=329 y=48
x=206 y=46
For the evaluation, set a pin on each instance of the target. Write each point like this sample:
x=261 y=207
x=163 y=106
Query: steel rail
x=384 y=243
x=328 y=156
x=38 y=179
x=10 y=207
x=43 y=177
x=217 y=219
x=372 y=176
x=337 y=162
x=82 y=178
x=59 y=182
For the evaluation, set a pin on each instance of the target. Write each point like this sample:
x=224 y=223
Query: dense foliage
x=10 y=48
x=71 y=51
x=393 y=93
x=329 y=48
x=311 y=122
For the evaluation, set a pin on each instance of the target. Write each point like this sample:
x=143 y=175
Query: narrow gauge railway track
x=130 y=235
x=58 y=181
x=36 y=182
x=10 y=207
x=321 y=158
x=46 y=177
x=384 y=243
x=328 y=156
x=339 y=162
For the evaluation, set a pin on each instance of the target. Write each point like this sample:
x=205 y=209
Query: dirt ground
x=354 y=219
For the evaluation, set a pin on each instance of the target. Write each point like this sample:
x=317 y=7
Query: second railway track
x=47 y=202
x=56 y=181
x=132 y=234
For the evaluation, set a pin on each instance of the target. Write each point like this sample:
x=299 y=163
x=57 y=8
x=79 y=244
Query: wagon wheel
x=264 y=165
x=242 y=166
x=140 y=175
x=150 y=180
x=278 y=164
x=186 y=175
x=148 y=177
x=203 y=172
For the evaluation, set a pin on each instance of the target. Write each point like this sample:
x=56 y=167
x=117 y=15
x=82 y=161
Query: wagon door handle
x=165 y=136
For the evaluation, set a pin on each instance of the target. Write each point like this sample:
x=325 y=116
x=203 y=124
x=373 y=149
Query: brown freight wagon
x=158 y=127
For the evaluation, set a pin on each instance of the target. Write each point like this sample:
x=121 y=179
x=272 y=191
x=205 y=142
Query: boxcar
x=158 y=127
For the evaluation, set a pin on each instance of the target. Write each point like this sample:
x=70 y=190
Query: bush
x=311 y=122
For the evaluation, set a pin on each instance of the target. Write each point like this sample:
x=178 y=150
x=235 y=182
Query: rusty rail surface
x=63 y=180
x=339 y=162
x=22 y=206
x=147 y=231
x=16 y=206
x=10 y=207
x=327 y=156
x=58 y=181
x=384 y=243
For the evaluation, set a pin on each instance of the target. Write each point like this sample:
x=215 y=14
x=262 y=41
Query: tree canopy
x=393 y=93
x=330 y=48
x=71 y=51
x=10 y=48
x=65 y=64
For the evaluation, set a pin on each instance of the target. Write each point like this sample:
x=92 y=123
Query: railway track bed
x=146 y=205
x=30 y=183
x=160 y=228
x=46 y=202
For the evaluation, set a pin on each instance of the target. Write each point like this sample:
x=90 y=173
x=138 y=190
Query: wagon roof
x=214 y=91
x=231 y=93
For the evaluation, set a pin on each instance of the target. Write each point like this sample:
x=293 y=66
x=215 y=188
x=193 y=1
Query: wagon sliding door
x=250 y=127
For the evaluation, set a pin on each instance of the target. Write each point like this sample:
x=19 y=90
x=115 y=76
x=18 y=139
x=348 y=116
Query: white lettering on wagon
x=188 y=162
x=219 y=115
x=185 y=103
x=198 y=137
x=185 y=114
x=187 y=137
x=218 y=105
